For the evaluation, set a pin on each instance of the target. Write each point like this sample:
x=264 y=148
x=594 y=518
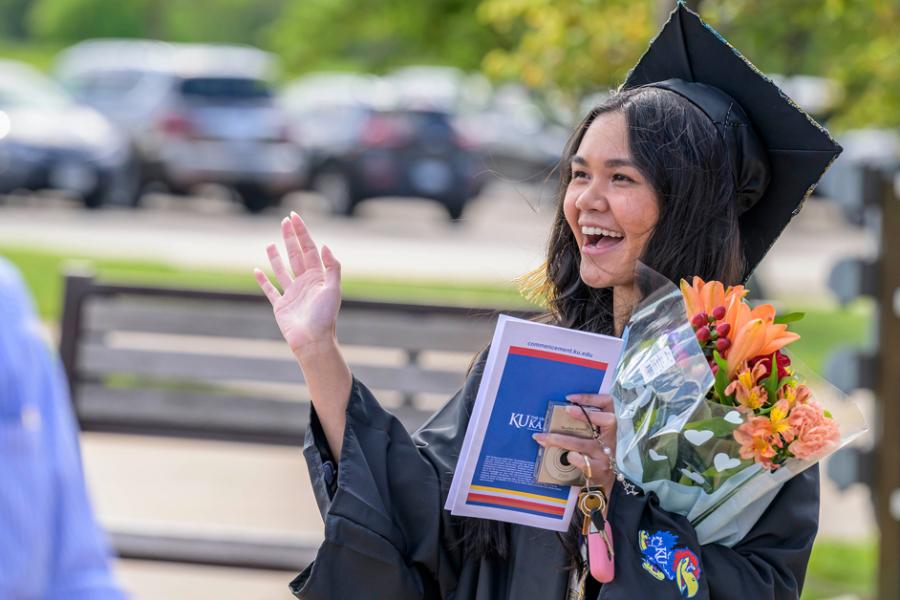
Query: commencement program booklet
x=529 y=365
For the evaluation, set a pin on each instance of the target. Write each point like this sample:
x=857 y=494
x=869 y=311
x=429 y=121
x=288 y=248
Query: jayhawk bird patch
x=663 y=560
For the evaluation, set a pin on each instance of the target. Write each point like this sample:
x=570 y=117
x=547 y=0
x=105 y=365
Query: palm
x=306 y=310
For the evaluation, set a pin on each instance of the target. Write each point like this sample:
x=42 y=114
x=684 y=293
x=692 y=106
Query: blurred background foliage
x=567 y=49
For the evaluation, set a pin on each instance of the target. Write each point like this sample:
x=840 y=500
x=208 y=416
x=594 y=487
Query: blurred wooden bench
x=212 y=365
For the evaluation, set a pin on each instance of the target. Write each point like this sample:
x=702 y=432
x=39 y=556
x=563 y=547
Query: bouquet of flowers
x=712 y=415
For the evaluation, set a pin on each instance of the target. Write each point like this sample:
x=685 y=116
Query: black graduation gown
x=387 y=535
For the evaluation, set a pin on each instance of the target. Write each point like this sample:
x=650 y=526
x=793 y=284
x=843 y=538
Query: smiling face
x=609 y=205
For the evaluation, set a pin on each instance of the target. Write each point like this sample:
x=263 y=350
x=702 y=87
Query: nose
x=592 y=198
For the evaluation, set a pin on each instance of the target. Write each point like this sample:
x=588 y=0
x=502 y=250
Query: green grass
x=822 y=329
x=841 y=568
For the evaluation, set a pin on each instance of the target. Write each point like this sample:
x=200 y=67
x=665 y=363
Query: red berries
x=708 y=332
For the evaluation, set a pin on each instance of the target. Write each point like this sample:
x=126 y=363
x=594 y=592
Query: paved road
x=503 y=235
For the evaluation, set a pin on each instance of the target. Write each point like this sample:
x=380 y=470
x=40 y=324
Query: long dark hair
x=677 y=148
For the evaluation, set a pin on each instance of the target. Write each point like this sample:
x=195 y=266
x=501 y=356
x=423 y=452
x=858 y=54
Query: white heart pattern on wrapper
x=734 y=417
x=654 y=455
x=695 y=477
x=723 y=462
x=698 y=437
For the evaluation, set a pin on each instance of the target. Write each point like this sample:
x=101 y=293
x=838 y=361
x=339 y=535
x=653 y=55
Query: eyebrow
x=609 y=164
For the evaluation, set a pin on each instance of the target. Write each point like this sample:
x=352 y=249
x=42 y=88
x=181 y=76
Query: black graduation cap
x=777 y=160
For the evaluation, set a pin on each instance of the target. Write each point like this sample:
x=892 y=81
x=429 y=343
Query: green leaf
x=771 y=383
x=718 y=425
x=789 y=318
x=722 y=379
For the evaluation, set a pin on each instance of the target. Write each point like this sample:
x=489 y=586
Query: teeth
x=600 y=231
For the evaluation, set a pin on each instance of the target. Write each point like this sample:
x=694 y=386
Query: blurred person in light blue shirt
x=50 y=544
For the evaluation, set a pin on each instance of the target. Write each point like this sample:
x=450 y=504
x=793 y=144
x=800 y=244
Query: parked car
x=47 y=140
x=198 y=114
x=397 y=153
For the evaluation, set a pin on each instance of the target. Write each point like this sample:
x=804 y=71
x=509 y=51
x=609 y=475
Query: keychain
x=592 y=503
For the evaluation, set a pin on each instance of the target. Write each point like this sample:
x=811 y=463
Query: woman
x=648 y=175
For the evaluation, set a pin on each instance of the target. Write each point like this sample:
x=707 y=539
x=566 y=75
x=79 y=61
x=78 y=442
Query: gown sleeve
x=383 y=506
x=657 y=554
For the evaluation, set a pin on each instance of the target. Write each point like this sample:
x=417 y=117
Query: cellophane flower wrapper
x=675 y=442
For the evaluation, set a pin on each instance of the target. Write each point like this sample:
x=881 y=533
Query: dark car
x=392 y=153
x=47 y=141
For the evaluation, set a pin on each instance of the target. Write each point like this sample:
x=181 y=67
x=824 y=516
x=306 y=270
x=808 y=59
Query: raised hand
x=306 y=309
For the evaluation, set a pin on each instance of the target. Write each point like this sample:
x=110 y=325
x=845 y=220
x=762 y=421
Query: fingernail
x=538 y=437
x=294 y=214
x=573 y=410
x=571 y=397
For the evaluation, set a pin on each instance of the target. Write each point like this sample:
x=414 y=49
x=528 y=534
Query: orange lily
x=777 y=337
x=747 y=344
x=691 y=293
x=701 y=296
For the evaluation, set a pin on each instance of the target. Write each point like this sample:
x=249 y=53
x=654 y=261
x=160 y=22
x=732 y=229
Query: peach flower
x=795 y=393
x=756 y=439
x=816 y=433
x=750 y=396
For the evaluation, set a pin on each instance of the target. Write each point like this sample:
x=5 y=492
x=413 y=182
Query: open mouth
x=597 y=240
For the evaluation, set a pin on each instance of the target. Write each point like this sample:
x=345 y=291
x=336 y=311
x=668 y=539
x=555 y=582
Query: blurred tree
x=580 y=46
x=379 y=34
x=855 y=42
x=13 y=25
x=576 y=47
x=74 y=20
x=234 y=21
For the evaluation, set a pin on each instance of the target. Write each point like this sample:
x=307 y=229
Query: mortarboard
x=777 y=151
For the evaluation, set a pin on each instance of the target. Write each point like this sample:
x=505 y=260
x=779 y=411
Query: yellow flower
x=749 y=395
x=794 y=393
x=780 y=423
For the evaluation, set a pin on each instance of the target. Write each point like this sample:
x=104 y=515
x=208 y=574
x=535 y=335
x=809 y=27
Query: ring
x=587 y=464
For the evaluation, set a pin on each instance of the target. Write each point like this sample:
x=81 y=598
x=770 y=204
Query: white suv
x=196 y=113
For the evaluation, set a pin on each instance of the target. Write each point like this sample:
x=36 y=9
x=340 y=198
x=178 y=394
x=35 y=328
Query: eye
x=578 y=174
x=622 y=177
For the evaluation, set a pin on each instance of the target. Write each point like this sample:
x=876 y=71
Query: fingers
x=292 y=245
x=603 y=420
x=577 y=459
x=266 y=286
x=568 y=442
x=310 y=253
x=332 y=268
x=281 y=274
x=602 y=401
